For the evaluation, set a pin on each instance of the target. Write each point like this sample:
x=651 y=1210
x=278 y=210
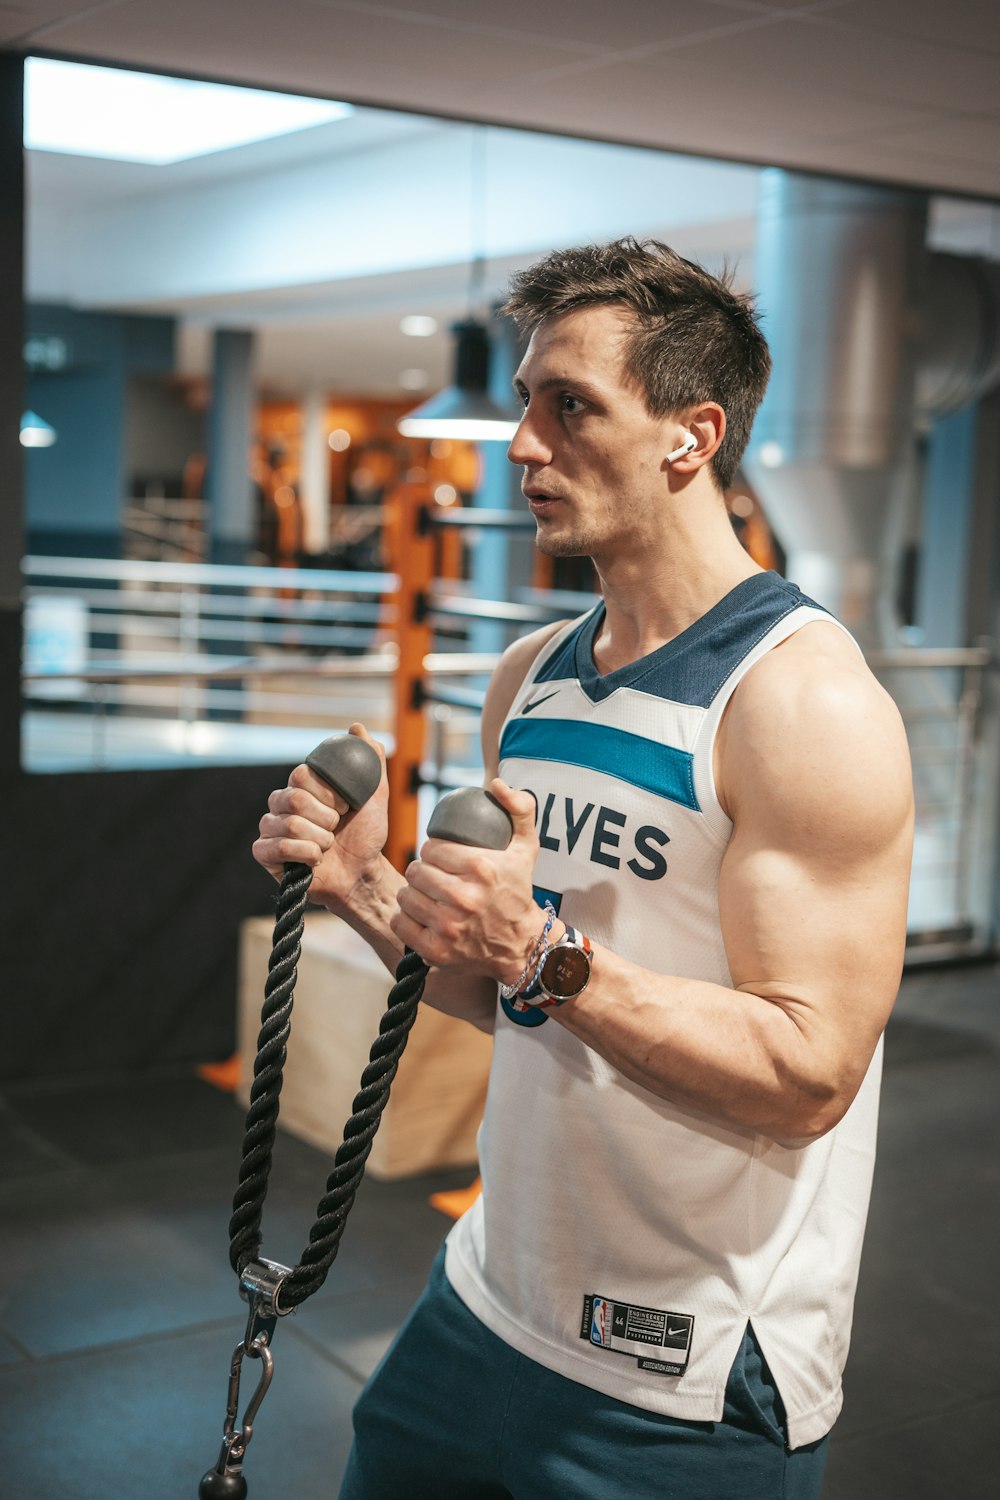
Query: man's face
x=593 y=456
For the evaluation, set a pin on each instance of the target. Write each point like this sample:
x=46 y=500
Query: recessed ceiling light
x=418 y=326
x=142 y=117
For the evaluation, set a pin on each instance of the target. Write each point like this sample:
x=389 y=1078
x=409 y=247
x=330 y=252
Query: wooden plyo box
x=437 y=1095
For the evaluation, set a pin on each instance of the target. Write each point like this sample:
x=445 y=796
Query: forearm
x=369 y=911
x=467 y=999
x=736 y=1056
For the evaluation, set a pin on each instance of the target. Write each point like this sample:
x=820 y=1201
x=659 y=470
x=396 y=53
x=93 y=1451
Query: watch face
x=565 y=972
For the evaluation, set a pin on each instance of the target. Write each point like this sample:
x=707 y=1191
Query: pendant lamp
x=464 y=409
x=36 y=432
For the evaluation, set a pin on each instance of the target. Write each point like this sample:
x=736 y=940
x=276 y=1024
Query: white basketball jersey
x=621 y=1240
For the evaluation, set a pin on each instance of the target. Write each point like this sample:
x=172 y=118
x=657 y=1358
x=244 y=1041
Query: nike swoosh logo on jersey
x=526 y=708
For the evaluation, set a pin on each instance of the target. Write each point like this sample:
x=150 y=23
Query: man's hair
x=694 y=338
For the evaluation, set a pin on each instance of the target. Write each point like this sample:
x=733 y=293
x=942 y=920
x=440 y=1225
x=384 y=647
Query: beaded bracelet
x=536 y=957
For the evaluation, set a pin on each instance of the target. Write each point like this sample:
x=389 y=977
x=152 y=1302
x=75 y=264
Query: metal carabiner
x=226 y=1479
x=260 y=1285
x=257 y=1350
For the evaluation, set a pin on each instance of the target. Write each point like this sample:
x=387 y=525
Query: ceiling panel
x=965 y=23
x=583 y=26
x=952 y=140
x=951 y=74
x=826 y=86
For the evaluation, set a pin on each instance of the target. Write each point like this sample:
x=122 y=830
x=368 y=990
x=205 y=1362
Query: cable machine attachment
x=467 y=816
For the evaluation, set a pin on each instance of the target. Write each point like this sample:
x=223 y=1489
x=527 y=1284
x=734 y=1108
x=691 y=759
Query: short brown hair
x=695 y=339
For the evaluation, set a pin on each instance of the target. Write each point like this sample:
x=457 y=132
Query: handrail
x=223 y=574
x=378 y=664
x=467 y=518
x=931 y=656
x=462 y=607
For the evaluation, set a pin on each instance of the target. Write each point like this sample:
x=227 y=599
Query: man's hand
x=471 y=910
x=308 y=823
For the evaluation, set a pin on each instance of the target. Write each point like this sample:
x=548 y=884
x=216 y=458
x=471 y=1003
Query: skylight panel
x=142 y=117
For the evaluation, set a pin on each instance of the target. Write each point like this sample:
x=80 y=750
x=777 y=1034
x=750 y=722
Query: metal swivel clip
x=260 y=1285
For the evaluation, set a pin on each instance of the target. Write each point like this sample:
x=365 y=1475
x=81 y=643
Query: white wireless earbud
x=690 y=442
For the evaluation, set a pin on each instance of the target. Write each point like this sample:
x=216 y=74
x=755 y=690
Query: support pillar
x=411 y=549
x=229 y=489
x=946 y=539
x=501 y=562
x=983 y=624
x=315 y=475
x=11 y=403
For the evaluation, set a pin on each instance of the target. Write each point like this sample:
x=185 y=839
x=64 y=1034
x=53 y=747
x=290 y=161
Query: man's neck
x=650 y=602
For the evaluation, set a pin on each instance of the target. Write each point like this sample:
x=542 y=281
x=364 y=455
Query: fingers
x=361 y=733
x=298 y=827
x=306 y=794
x=294 y=802
x=418 y=906
x=460 y=888
x=295 y=829
x=521 y=806
x=303 y=817
x=275 y=854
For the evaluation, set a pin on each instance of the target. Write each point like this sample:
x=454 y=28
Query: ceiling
x=901 y=91
x=892 y=90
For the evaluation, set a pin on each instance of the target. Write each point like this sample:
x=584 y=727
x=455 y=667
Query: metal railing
x=130 y=663
x=231 y=656
x=940 y=695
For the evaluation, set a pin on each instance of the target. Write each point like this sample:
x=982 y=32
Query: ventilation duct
x=838 y=272
x=959 y=349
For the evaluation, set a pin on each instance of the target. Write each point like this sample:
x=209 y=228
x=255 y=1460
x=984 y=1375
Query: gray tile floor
x=118 y=1311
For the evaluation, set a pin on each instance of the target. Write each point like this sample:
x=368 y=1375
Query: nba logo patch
x=600 y=1322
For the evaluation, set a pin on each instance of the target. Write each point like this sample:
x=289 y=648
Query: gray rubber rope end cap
x=471 y=816
x=349 y=765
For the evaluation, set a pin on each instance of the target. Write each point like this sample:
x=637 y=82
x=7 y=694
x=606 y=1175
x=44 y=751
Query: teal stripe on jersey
x=597 y=747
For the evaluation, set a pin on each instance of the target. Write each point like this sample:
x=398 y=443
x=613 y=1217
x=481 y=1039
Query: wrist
x=371 y=900
x=531 y=953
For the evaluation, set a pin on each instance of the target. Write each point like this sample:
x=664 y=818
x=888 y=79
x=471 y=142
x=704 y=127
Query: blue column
x=500 y=561
x=946 y=534
x=229 y=490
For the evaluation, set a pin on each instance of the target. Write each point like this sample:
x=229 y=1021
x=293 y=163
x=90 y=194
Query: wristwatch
x=565 y=971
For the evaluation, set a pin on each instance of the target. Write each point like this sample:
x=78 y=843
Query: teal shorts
x=454 y=1413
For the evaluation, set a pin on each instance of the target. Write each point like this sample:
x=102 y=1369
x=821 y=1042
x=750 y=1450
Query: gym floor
x=119 y=1313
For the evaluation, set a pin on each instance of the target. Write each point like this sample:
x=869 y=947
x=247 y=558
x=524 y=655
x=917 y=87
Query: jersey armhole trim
x=718 y=821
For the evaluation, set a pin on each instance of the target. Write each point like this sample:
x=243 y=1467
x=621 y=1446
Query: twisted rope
x=359 y=1132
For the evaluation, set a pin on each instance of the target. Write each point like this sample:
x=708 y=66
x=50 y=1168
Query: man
x=697 y=928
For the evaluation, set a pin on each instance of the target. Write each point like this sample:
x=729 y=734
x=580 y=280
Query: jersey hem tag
x=659 y=1341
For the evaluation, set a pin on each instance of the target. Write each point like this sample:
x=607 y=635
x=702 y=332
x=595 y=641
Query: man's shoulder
x=817 y=669
x=810 y=720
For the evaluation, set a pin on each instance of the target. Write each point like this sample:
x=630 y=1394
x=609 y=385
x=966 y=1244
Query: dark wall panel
x=125 y=892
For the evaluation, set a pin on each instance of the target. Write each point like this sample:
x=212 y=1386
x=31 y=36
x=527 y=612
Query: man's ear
x=696 y=439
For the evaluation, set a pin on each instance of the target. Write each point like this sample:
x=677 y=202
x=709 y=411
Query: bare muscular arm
x=813 y=770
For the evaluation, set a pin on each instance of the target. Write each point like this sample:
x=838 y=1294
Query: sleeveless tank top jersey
x=621 y=1240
